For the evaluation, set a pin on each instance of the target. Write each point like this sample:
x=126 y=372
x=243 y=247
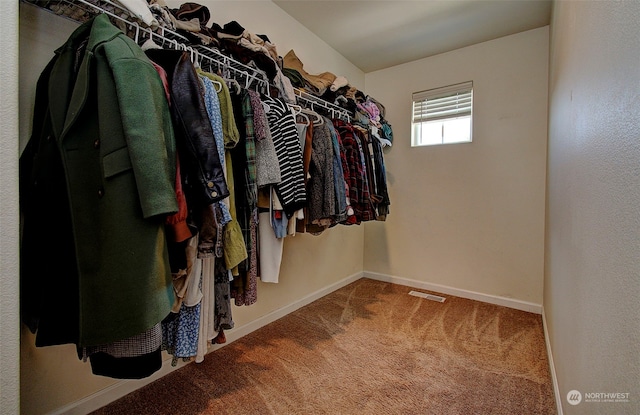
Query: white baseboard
x=121 y=388
x=472 y=295
x=552 y=366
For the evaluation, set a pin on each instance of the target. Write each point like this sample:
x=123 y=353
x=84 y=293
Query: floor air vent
x=427 y=296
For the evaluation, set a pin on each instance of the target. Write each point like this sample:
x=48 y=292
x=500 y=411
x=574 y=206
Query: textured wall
x=469 y=216
x=9 y=338
x=592 y=275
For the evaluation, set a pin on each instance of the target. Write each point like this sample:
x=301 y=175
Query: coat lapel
x=79 y=95
x=70 y=77
x=60 y=86
x=66 y=85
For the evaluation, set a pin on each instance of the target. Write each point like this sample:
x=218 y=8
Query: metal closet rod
x=312 y=101
x=167 y=37
x=229 y=67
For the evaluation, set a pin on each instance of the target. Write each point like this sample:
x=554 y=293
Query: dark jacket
x=96 y=181
x=203 y=176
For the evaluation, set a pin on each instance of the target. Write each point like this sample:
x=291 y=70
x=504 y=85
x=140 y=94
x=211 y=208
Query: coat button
x=210 y=185
x=100 y=192
x=214 y=194
x=96 y=143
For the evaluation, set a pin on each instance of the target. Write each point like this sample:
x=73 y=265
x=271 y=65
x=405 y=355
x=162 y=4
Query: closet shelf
x=206 y=57
x=82 y=10
x=312 y=102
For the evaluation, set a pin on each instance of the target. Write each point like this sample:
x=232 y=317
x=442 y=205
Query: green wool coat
x=97 y=179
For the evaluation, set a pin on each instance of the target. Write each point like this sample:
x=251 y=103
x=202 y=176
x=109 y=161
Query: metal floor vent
x=427 y=296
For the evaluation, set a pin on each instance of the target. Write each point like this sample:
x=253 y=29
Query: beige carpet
x=368 y=348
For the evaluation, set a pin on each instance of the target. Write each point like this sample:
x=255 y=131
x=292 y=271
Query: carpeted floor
x=368 y=348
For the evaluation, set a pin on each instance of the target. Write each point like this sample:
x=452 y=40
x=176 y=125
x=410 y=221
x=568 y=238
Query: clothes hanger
x=136 y=38
x=249 y=79
x=217 y=85
x=233 y=84
x=297 y=111
x=305 y=118
x=196 y=59
x=318 y=120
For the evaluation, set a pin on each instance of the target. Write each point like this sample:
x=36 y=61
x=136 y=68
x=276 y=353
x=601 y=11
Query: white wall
x=53 y=377
x=9 y=322
x=469 y=216
x=592 y=271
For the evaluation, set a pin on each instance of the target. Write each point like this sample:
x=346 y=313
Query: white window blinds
x=443 y=103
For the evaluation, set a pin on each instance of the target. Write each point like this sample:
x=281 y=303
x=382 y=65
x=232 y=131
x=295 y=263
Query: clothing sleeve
x=147 y=127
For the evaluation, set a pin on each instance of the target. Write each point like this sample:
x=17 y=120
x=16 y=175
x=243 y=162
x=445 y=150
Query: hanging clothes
x=199 y=128
x=271 y=249
x=267 y=167
x=340 y=186
x=212 y=105
x=150 y=241
x=203 y=176
x=355 y=174
x=205 y=325
x=305 y=137
x=180 y=334
x=133 y=358
x=216 y=295
x=382 y=193
x=366 y=150
x=244 y=288
x=234 y=249
x=108 y=183
x=181 y=328
x=268 y=174
x=291 y=190
x=321 y=207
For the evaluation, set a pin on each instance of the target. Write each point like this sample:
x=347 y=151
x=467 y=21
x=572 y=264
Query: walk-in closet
x=223 y=206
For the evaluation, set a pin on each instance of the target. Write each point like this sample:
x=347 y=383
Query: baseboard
x=124 y=387
x=472 y=295
x=552 y=366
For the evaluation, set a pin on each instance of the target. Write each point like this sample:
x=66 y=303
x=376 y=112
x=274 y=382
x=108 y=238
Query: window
x=442 y=115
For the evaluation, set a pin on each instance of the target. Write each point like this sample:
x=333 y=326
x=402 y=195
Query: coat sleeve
x=148 y=131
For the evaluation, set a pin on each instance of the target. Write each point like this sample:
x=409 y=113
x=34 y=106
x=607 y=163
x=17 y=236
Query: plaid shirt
x=355 y=173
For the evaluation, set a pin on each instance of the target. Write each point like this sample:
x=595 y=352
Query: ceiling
x=377 y=34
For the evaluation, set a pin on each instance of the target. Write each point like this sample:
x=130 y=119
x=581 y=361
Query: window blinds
x=441 y=103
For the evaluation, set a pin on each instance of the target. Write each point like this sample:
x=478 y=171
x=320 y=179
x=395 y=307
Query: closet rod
x=311 y=101
x=82 y=10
